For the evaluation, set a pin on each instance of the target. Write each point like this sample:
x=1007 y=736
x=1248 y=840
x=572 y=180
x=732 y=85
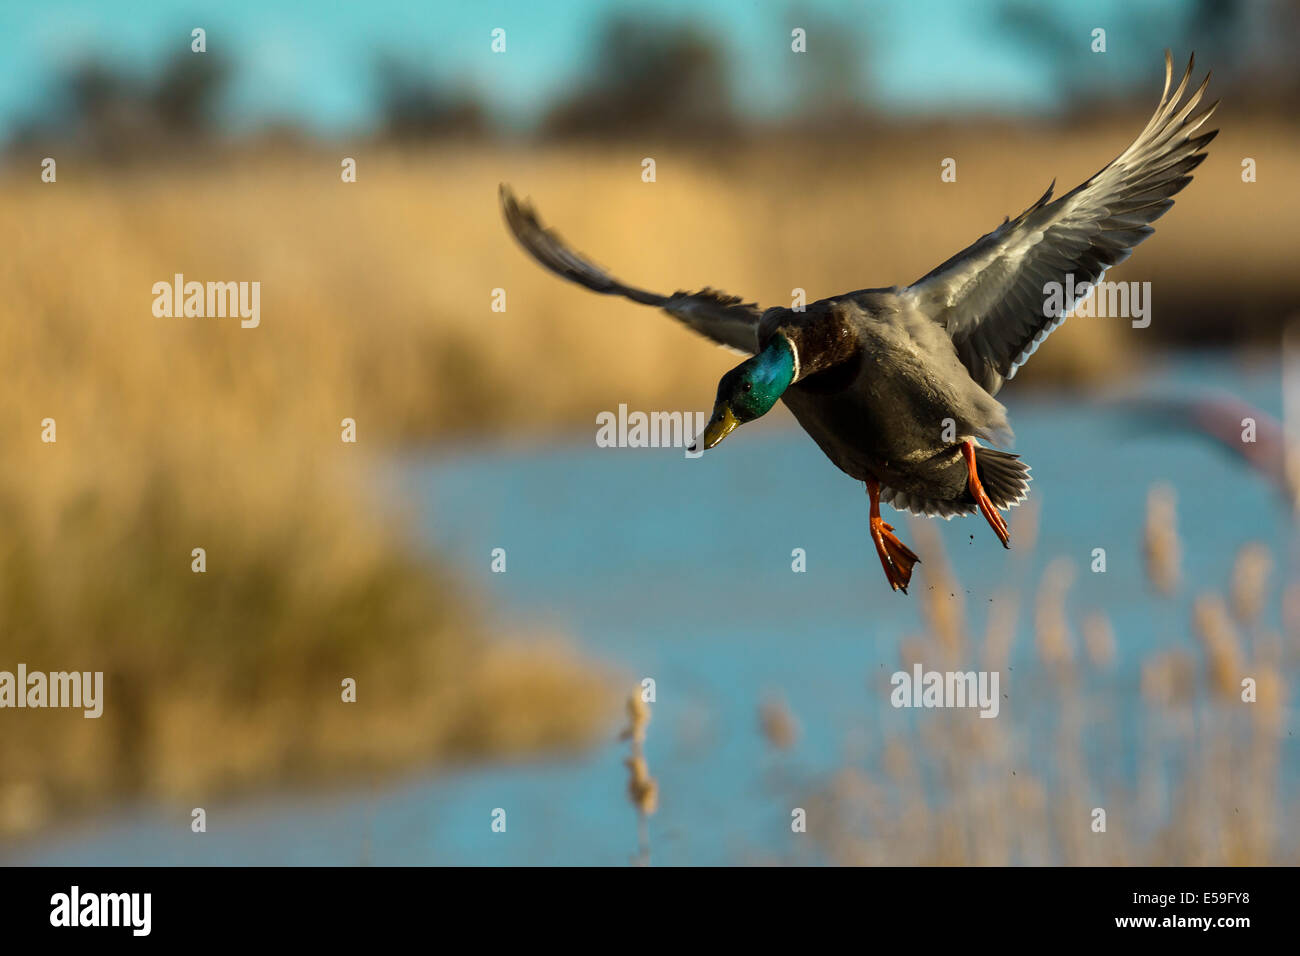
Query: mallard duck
x=897 y=385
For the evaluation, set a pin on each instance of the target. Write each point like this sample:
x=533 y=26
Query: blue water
x=680 y=569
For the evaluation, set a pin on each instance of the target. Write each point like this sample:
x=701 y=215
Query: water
x=680 y=570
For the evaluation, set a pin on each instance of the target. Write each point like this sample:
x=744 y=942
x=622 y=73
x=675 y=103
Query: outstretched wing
x=723 y=318
x=990 y=297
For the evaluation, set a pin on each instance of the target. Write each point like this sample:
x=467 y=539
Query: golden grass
x=958 y=790
x=187 y=433
x=377 y=295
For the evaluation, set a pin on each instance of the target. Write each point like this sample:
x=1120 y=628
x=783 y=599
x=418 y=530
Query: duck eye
x=748 y=386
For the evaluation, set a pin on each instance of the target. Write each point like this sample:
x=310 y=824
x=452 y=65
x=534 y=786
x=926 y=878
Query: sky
x=310 y=61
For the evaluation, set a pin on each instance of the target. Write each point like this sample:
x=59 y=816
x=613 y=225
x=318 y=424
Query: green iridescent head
x=750 y=389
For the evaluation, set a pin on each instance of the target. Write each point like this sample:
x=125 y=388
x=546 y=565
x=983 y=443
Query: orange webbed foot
x=990 y=513
x=895 y=557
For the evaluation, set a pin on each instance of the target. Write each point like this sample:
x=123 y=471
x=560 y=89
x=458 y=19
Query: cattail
x=642 y=789
x=777 y=723
x=1269 y=709
x=1052 y=630
x=1000 y=631
x=1169 y=678
x=1250 y=581
x=1099 y=639
x=1161 y=545
x=1222 y=648
x=943 y=599
x=897 y=761
x=1028 y=514
x=638 y=718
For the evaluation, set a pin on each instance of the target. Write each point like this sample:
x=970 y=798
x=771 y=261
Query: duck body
x=894 y=404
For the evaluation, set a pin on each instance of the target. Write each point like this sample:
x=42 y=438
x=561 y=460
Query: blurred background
x=479 y=690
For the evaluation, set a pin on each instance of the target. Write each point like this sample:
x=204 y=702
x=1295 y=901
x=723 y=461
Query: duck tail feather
x=1004 y=476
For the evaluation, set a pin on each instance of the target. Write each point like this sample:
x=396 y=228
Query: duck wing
x=726 y=319
x=990 y=296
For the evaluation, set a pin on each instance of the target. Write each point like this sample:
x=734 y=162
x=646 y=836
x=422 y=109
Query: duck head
x=750 y=389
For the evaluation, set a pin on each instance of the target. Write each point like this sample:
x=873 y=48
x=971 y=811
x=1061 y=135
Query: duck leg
x=990 y=513
x=895 y=557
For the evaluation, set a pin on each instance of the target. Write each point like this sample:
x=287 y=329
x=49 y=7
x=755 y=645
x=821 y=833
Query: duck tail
x=1004 y=476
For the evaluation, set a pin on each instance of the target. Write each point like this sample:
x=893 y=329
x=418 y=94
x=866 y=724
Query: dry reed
x=642 y=789
x=1206 y=789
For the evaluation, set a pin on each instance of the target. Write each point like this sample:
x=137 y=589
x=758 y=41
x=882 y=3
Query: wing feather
x=991 y=296
x=726 y=319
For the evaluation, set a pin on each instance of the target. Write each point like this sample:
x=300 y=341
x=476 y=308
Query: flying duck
x=896 y=385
